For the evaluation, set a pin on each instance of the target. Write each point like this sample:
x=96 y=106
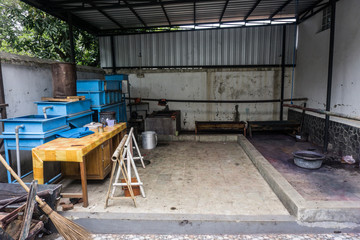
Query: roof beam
x=78 y=22
x=223 y=11
x=106 y=15
x=251 y=10
x=194 y=13
x=311 y=7
x=130 y=30
x=165 y=13
x=280 y=9
x=135 y=13
x=57 y=7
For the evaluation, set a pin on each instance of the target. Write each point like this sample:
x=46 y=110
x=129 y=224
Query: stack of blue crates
x=105 y=95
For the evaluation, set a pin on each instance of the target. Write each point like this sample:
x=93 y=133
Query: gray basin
x=308 y=159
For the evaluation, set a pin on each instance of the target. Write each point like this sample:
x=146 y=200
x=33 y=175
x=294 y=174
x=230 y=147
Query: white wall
x=312 y=60
x=214 y=84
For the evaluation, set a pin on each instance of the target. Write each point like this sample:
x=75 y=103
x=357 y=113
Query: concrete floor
x=334 y=181
x=192 y=178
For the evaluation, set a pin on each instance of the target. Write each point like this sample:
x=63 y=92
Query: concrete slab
x=331 y=212
x=192 y=178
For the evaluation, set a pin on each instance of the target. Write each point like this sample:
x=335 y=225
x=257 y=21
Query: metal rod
x=330 y=73
x=71 y=37
x=18 y=149
x=2 y=96
x=320 y=111
x=283 y=71
x=224 y=101
x=113 y=54
x=202 y=67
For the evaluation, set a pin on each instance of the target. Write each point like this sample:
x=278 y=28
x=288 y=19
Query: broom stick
x=67 y=228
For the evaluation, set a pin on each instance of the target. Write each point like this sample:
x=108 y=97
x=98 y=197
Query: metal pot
x=308 y=159
x=149 y=139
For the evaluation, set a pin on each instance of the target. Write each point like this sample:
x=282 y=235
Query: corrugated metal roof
x=114 y=16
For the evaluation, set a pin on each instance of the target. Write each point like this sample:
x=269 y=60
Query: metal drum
x=149 y=139
x=64 y=79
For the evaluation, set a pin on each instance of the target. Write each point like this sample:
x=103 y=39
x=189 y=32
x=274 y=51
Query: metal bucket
x=308 y=159
x=149 y=139
x=107 y=115
x=64 y=79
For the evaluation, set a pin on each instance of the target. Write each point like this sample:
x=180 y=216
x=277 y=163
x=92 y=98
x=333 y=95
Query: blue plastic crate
x=100 y=98
x=64 y=108
x=80 y=119
x=84 y=85
x=34 y=124
x=117 y=77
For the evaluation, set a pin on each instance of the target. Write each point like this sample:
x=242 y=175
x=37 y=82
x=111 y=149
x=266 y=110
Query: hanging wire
x=294 y=53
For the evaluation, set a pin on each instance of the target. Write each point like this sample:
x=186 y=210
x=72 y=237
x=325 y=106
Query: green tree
x=28 y=31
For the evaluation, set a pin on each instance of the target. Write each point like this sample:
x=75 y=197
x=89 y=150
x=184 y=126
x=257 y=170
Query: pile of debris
x=21 y=217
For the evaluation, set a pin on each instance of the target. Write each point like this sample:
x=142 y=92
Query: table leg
x=38 y=168
x=84 y=183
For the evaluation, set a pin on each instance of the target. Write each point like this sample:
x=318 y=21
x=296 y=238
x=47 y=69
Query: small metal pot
x=308 y=159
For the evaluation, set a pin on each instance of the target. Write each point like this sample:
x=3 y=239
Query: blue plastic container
x=116 y=77
x=34 y=124
x=31 y=140
x=80 y=119
x=85 y=85
x=64 y=108
x=99 y=98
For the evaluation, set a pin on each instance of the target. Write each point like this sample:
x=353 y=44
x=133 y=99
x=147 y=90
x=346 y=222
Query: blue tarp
x=75 y=133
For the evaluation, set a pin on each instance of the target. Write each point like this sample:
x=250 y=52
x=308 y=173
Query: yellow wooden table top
x=73 y=149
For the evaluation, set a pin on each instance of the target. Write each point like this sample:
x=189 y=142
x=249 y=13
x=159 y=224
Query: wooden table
x=75 y=150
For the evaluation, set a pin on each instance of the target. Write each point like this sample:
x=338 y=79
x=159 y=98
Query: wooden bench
x=220 y=126
x=285 y=126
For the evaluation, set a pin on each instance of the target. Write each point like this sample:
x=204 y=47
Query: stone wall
x=343 y=139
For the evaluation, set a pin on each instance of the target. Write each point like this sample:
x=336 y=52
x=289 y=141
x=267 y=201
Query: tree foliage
x=28 y=31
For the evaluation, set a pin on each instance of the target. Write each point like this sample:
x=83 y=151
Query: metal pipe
x=113 y=58
x=224 y=101
x=283 y=71
x=18 y=149
x=320 y=111
x=119 y=149
x=330 y=73
x=71 y=38
x=44 y=110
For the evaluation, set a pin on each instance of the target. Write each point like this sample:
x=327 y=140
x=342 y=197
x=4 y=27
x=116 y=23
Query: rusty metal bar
x=320 y=111
x=223 y=101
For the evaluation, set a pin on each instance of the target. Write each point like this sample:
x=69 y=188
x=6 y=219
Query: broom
x=67 y=228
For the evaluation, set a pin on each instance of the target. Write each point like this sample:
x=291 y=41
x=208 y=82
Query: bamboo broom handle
x=17 y=178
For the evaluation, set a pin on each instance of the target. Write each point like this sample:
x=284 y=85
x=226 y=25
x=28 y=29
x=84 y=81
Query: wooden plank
x=217 y=125
x=71 y=195
x=28 y=212
x=76 y=97
x=49 y=99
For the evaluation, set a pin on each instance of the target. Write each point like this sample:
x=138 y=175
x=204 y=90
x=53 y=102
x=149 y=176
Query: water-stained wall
x=213 y=84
